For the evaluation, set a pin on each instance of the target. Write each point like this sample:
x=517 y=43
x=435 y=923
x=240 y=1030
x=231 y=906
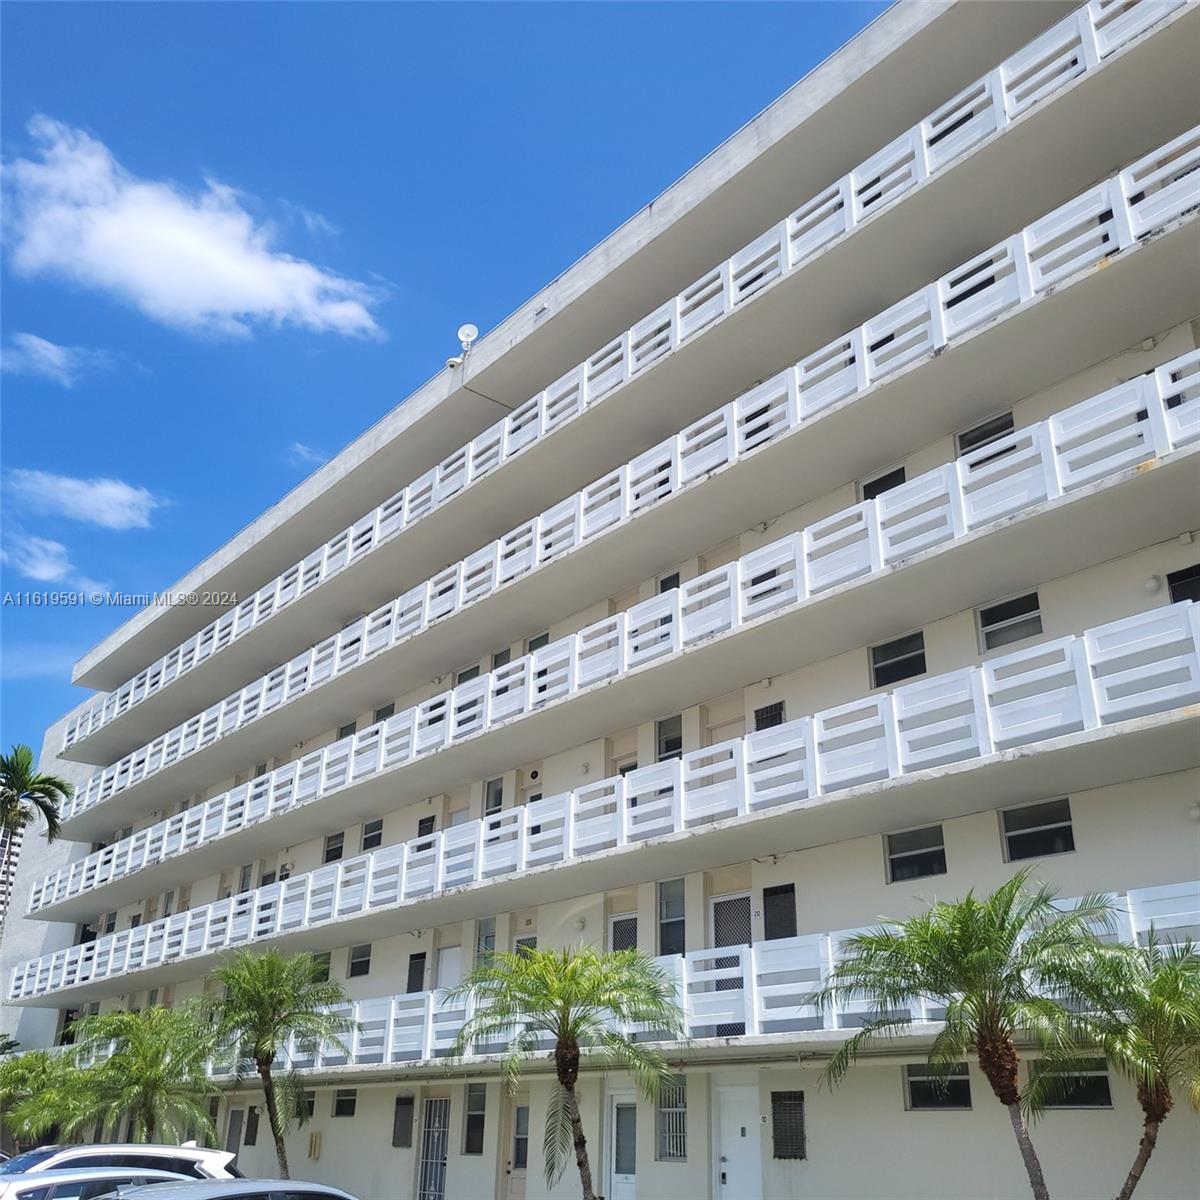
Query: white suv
x=190 y=1160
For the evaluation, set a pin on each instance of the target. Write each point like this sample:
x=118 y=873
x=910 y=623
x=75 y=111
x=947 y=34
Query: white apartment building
x=821 y=544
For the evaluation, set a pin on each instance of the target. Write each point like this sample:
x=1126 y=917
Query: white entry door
x=622 y=1146
x=449 y=967
x=739 y=1143
x=517 y=1166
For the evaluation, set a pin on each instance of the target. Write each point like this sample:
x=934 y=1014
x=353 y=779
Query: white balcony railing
x=1125 y=426
x=1133 y=667
x=764 y=988
x=892 y=340
x=1077 y=44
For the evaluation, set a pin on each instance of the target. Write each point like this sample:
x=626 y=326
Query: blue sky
x=237 y=234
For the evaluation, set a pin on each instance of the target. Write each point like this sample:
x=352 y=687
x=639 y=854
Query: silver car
x=87 y=1184
x=231 y=1189
x=187 y=1162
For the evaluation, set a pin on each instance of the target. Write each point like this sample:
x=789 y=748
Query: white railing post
x=750 y=985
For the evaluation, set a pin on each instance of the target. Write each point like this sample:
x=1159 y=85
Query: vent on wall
x=314 y=1145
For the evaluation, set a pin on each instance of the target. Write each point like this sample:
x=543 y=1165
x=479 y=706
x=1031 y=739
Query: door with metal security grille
x=435 y=1141
x=730 y=927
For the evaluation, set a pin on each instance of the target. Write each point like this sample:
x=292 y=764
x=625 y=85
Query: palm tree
x=571 y=999
x=268 y=998
x=24 y=795
x=1140 y=1006
x=145 y=1069
x=989 y=963
x=25 y=1081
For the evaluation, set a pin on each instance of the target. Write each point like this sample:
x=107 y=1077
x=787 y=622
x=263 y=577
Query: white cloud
x=28 y=354
x=316 y=224
x=109 y=503
x=300 y=455
x=191 y=260
x=43 y=561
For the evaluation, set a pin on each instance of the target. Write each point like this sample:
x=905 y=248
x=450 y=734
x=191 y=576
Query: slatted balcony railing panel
x=1137 y=666
x=1115 y=431
x=1158 y=188
x=765 y=987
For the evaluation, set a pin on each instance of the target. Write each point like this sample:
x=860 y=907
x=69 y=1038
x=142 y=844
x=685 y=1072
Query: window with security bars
x=768 y=716
x=1079 y=1084
x=1009 y=621
x=1035 y=830
x=915 y=853
x=623 y=933
x=671 y=1120
x=899 y=659
x=925 y=1088
x=787 y=1125
x=1184 y=584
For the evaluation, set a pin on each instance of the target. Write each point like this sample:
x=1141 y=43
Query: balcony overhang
x=1141 y=95
x=1136 y=749
x=1062 y=332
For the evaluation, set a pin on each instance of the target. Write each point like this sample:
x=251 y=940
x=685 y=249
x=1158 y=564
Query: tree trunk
x=581 y=1152
x=566 y=1067
x=264 y=1071
x=998 y=1062
x=8 y=850
x=1156 y=1101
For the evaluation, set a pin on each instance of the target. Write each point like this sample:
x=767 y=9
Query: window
x=466 y=675
x=345 y=1101
x=345 y=731
x=308 y=1102
x=485 y=937
x=383 y=714
x=1009 y=621
x=334 y=845
x=668 y=736
x=1083 y=1084
x=245 y=878
x=525 y=943
x=372 y=834
x=878 y=484
x=899 y=659
x=915 y=853
x=768 y=716
x=416 y=972
x=473 y=1118
x=425 y=827
x=520 y=1150
x=260 y=770
x=779 y=911
x=251 y=1136
x=1184 y=584
x=670 y=917
x=668 y=583
x=359 y=962
x=501 y=658
x=402 y=1121
x=925 y=1088
x=493 y=796
x=537 y=642
x=622 y=933
x=984 y=433
x=321 y=966
x=787 y=1125
x=671 y=1120
x=1038 y=829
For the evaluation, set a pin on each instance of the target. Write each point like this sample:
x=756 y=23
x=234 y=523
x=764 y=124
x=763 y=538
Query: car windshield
x=26 y=1160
